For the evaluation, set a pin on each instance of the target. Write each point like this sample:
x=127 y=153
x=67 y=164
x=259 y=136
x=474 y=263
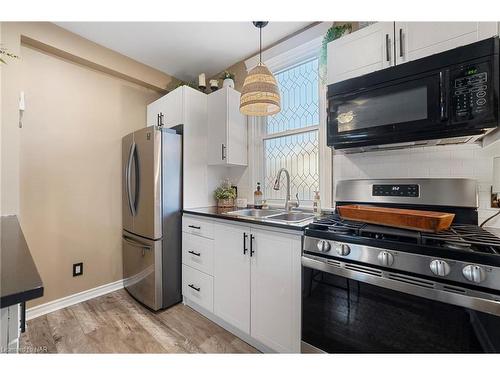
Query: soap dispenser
x=258 y=197
x=317 y=204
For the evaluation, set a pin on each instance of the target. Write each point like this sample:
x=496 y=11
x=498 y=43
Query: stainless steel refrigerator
x=151 y=215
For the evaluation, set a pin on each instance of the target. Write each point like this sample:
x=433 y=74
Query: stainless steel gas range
x=375 y=289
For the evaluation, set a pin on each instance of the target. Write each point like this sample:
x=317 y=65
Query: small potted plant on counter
x=225 y=195
x=227 y=79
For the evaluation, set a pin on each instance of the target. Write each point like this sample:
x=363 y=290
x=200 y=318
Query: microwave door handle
x=444 y=86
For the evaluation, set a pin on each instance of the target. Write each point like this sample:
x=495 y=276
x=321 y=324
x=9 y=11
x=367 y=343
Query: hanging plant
x=5 y=52
x=333 y=33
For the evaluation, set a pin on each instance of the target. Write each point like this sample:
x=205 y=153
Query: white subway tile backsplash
x=456 y=161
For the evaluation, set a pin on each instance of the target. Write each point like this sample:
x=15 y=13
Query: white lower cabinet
x=198 y=287
x=276 y=290
x=232 y=275
x=257 y=276
x=9 y=329
x=246 y=278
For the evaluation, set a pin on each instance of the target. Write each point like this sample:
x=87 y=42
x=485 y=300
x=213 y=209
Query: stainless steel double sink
x=289 y=217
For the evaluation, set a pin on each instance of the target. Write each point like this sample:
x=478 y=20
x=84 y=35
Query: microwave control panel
x=395 y=190
x=470 y=92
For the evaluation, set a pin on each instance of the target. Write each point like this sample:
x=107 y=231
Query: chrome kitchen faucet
x=288 y=205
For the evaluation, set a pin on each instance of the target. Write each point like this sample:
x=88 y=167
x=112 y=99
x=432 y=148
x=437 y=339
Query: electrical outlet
x=77 y=269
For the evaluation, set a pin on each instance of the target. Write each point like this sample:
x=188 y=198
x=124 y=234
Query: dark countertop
x=19 y=277
x=221 y=213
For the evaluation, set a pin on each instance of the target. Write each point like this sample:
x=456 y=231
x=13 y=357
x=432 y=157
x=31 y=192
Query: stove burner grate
x=465 y=237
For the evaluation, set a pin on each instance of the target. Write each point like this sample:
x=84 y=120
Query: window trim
x=280 y=58
x=263 y=135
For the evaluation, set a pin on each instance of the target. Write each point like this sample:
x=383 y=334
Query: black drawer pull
x=194 y=227
x=193 y=287
x=192 y=252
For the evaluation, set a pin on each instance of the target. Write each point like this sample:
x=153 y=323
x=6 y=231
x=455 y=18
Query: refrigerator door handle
x=128 y=182
x=134 y=243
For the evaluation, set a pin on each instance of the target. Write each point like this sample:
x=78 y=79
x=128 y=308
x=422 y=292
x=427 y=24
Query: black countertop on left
x=19 y=277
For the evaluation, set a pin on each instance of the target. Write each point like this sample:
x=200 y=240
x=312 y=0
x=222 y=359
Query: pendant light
x=260 y=95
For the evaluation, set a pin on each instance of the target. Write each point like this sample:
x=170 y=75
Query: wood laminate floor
x=116 y=323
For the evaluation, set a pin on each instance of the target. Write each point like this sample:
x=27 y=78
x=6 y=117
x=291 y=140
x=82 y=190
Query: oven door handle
x=470 y=299
x=444 y=87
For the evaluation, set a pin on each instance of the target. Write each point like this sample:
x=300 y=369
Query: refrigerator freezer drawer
x=142 y=269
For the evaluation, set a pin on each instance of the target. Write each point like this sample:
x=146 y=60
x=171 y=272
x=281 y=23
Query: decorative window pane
x=298 y=153
x=286 y=145
x=299 y=98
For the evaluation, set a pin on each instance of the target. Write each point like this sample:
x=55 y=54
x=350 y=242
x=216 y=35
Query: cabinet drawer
x=198 y=287
x=197 y=252
x=199 y=227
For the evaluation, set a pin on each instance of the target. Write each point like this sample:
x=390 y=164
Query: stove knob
x=323 y=246
x=474 y=273
x=342 y=249
x=385 y=258
x=440 y=267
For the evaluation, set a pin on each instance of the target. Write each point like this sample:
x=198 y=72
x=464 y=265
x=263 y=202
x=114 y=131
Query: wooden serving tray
x=424 y=221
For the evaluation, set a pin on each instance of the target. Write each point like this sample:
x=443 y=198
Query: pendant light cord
x=260 y=46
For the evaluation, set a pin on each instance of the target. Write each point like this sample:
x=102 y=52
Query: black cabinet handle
x=245 y=243
x=251 y=245
x=161 y=119
x=194 y=227
x=193 y=287
x=192 y=252
x=400 y=42
x=387 y=48
x=23 y=317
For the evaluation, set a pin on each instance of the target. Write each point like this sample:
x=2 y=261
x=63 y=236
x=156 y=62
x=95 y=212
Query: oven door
x=403 y=110
x=345 y=315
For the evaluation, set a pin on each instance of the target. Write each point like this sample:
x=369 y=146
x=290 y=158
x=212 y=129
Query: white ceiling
x=184 y=49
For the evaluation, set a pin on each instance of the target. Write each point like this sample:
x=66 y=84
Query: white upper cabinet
x=386 y=44
x=188 y=107
x=168 y=110
x=227 y=129
x=361 y=52
x=415 y=40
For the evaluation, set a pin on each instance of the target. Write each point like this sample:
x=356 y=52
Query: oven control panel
x=384 y=190
x=470 y=92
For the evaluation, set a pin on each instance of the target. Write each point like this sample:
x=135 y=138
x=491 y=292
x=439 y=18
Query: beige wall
x=61 y=173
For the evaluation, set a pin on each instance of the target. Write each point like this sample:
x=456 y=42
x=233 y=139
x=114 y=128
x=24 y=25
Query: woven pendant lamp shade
x=260 y=95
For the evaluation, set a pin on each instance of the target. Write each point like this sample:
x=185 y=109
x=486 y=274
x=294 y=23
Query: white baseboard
x=73 y=299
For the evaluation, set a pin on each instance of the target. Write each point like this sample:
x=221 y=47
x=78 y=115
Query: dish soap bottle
x=317 y=204
x=257 y=197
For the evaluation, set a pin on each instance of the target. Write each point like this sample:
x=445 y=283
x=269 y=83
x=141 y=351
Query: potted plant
x=227 y=79
x=225 y=195
x=333 y=33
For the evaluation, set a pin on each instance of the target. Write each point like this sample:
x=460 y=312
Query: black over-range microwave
x=447 y=98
